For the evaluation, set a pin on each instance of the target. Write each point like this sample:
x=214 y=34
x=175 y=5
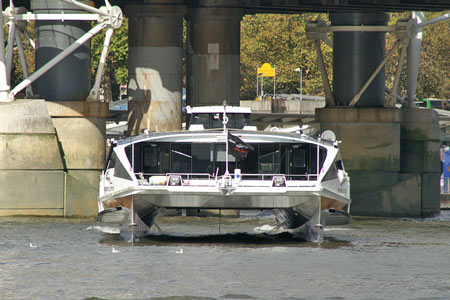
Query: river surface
x=372 y=258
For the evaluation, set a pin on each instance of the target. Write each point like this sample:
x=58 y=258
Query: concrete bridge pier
x=53 y=151
x=213 y=47
x=79 y=125
x=391 y=154
x=419 y=157
x=392 y=157
x=155 y=65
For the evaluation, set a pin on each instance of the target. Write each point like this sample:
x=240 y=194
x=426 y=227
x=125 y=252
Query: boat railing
x=241 y=180
x=291 y=177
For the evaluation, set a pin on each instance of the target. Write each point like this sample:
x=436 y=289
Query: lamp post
x=301 y=83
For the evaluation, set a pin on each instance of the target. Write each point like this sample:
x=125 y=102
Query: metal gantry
x=409 y=40
x=108 y=17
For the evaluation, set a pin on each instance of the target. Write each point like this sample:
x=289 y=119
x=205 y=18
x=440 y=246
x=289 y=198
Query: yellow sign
x=266 y=70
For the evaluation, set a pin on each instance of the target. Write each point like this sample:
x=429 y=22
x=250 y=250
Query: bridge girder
x=300 y=6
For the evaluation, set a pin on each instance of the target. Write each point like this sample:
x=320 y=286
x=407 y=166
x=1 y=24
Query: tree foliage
x=17 y=72
x=280 y=40
x=433 y=79
x=434 y=66
x=116 y=67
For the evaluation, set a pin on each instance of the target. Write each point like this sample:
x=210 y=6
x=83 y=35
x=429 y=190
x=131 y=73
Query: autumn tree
x=434 y=66
x=116 y=67
x=17 y=72
x=281 y=41
x=433 y=79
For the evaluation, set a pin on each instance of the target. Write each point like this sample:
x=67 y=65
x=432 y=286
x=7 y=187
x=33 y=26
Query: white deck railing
x=246 y=180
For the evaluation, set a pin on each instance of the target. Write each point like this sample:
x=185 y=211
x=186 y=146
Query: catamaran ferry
x=222 y=162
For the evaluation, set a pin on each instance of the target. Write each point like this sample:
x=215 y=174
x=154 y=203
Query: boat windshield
x=214 y=120
x=210 y=158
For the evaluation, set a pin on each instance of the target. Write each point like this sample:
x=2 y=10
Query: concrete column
x=213 y=47
x=31 y=167
x=155 y=66
x=420 y=149
x=355 y=56
x=70 y=79
x=371 y=153
x=392 y=157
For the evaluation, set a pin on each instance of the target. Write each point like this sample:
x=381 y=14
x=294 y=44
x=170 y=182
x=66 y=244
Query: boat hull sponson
x=293 y=211
x=220 y=201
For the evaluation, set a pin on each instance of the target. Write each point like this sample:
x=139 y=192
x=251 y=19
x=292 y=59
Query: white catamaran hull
x=298 y=210
x=295 y=176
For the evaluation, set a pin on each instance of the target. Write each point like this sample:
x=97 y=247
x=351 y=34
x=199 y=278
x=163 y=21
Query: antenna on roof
x=225 y=118
x=225 y=131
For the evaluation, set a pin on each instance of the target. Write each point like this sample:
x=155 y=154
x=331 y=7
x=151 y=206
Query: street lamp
x=301 y=83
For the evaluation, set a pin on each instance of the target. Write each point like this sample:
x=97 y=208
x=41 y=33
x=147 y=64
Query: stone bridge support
x=53 y=151
x=155 y=66
x=392 y=157
x=213 y=47
x=391 y=154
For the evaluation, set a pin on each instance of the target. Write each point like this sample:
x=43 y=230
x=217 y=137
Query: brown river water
x=224 y=258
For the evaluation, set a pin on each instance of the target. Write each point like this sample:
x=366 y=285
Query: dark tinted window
x=181 y=158
x=331 y=174
x=249 y=165
x=200 y=119
x=239 y=121
x=150 y=158
x=313 y=158
x=269 y=158
x=202 y=158
x=220 y=160
x=339 y=165
x=120 y=170
x=214 y=120
x=298 y=157
x=165 y=157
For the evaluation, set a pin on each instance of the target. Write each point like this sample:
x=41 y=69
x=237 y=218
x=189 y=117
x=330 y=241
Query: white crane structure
x=108 y=17
x=409 y=41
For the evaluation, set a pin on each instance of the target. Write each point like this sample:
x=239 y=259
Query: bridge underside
x=299 y=6
x=394 y=149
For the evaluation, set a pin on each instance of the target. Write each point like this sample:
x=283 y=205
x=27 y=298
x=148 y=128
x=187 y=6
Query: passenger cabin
x=297 y=161
x=202 y=154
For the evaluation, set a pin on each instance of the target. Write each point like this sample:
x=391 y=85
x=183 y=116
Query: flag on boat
x=237 y=147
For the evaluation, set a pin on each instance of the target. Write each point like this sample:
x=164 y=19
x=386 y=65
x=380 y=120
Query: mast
x=225 y=131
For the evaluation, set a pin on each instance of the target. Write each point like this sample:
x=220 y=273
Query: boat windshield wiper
x=181 y=153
